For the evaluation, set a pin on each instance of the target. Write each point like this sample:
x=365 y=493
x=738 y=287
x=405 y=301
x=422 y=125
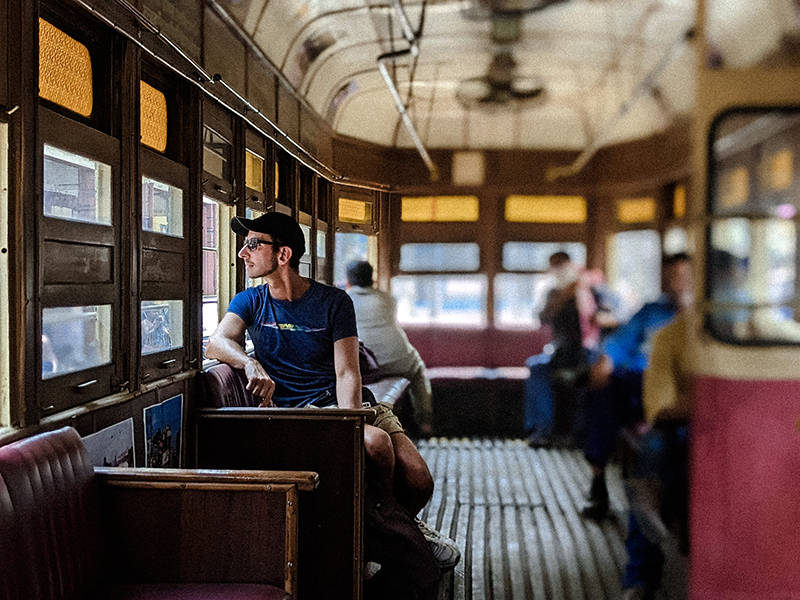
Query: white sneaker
x=370 y=569
x=444 y=549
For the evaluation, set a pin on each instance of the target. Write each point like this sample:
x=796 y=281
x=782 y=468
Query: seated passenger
x=375 y=316
x=615 y=379
x=659 y=488
x=572 y=309
x=306 y=354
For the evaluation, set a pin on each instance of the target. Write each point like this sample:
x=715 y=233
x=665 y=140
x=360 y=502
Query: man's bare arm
x=348 y=373
x=226 y=344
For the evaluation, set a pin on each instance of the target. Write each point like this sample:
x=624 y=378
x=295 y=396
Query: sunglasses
x=252 y=243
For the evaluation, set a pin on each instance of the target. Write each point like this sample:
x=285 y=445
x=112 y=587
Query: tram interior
x=456 y=145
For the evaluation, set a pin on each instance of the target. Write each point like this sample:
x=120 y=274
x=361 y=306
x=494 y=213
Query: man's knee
x=378 y=445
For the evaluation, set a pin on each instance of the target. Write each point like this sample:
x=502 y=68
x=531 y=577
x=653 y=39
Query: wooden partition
x=327 y=441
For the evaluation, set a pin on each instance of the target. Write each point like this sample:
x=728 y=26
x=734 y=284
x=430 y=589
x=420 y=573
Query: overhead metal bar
x=645 y=86
x=200 y=78
x=412 y=51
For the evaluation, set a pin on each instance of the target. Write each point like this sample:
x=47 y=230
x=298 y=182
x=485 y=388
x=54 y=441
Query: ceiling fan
x=500 y=86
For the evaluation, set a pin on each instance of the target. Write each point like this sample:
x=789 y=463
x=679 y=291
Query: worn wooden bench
x=70 y=532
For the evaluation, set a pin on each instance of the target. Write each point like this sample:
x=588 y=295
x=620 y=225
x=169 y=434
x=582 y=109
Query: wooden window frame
x=68 y=390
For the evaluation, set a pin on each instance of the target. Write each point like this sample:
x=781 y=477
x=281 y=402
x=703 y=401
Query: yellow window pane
x=254 y=171
x=546 y=209
x=780 y=170
x=417 y=209
x=734 y=188
x=355 y=211
x=679 y=202
x=65 y=70
x=277 y=180
x=153 y=118
x=440 y=208
x=636 y=210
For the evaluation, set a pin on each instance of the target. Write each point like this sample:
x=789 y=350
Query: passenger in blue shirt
x=615 y=379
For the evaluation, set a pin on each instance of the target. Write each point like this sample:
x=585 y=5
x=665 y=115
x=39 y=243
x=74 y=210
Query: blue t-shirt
x=630 y=345
x=293 y=340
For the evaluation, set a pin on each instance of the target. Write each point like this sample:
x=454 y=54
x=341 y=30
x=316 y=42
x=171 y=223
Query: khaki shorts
x=384 y=418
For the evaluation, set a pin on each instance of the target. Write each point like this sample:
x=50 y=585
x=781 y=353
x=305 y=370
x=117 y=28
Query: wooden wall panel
x=261 y=87
x=288 y=113
x=224 y=52
x=160 y=266
x=72 y=263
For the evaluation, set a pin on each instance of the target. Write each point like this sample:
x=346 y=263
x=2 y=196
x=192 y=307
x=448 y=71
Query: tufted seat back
x=49 y=523
x=225 y=386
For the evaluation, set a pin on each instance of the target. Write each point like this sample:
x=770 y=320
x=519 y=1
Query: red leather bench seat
x=52 y=541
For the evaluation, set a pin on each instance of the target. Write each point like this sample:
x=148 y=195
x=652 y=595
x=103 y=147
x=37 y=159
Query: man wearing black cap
x=306 y=349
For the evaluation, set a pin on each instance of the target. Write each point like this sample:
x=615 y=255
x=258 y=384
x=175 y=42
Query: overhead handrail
x=413 y=50
x=645 y=86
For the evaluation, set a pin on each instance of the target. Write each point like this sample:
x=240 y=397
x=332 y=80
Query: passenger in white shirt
x=377 y=328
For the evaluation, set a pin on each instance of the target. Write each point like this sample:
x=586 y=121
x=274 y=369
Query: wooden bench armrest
x=304 y=480
x=202 y=526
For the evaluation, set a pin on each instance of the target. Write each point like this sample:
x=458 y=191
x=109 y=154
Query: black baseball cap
x=283 y=229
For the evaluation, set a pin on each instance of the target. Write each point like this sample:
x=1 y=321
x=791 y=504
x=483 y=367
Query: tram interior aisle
x=514 y=513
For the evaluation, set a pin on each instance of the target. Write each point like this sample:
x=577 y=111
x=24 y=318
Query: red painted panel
x=449 y=347
x=745 y=514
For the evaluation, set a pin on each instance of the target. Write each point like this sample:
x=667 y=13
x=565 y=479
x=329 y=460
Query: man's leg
x=539 y=403
x=601 y=432
x=421 y=397
x=413 y=483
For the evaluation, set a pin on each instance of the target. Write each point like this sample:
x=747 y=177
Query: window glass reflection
x=216 y=154
x=75 y=338
x=634 y=265
x=441 y=299
x=440 y=257
x=535 y=256
x=520 y=297
x=162 y=208
x=162 y=325
x=75 y=187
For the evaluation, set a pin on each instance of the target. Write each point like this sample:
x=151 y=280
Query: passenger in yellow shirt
x=658 y=490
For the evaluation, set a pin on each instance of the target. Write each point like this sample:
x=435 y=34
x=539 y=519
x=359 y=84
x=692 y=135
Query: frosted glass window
x=441 y=299
x=254 y=171
x=162 y=207
x=355 y=211
x=535 y=256
x=162 y=325
x=440 y=208
x=636 y=210
x=440 y=257
x=153 y=110
x=75 y=338
x=75 y=187
x=545 y=209
x=65 y=70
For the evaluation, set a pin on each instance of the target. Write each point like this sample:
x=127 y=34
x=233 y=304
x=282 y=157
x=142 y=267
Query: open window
x=751 y=292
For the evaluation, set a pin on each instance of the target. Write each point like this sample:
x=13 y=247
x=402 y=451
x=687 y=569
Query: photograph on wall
x=162 y=433
x=112 y=446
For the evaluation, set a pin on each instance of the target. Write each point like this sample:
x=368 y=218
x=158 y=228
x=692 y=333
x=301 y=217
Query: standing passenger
x=306 y=354
x=615 y=380
x=375 y=315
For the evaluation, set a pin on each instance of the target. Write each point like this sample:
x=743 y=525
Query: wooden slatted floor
x=514 y=513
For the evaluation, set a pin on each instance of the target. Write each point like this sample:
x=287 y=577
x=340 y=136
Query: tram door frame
x=745 y=489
